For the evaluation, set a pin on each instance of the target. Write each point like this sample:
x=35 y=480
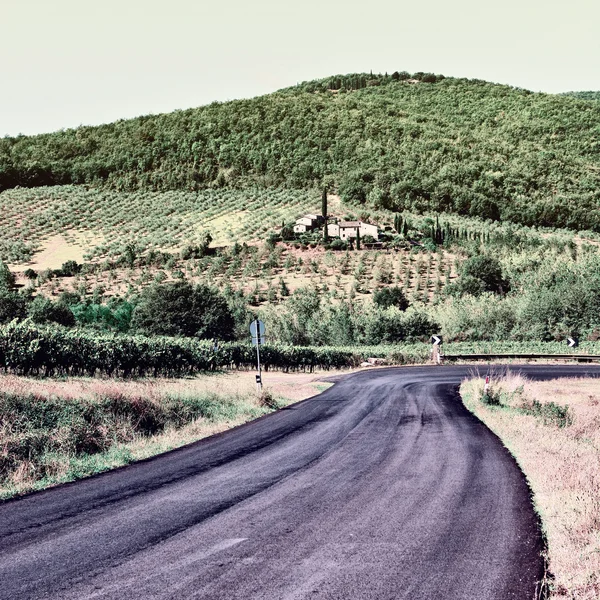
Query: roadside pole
x=436 y=349
x=259 y=376
x=257 y=331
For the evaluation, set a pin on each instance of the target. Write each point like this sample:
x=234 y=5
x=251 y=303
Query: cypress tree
x=324 y=212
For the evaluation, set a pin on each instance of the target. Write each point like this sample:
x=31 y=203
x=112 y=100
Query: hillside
x=419 y=144
x=584 y=95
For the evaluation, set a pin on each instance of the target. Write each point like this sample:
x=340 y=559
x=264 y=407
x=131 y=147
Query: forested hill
x=420 y=142
x=584 y=95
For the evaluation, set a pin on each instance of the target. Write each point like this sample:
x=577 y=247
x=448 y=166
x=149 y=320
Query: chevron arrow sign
x=572 y=342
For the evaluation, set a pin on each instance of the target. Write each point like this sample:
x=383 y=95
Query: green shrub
x=390 y=296
x=7 y=278
x=492 y=397
x=43 y=310
x=182 y=309
x=12 y=305
x=550 y=413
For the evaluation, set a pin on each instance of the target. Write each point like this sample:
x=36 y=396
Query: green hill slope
x=437 y=144
x=584 y=95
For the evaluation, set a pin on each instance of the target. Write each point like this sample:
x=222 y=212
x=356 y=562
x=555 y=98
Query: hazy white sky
x=69 y=62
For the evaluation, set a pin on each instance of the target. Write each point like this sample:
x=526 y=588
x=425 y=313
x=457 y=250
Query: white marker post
x=436 y=350
x=257 y=331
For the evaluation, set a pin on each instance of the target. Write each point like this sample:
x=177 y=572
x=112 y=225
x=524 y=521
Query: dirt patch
x=56 y=251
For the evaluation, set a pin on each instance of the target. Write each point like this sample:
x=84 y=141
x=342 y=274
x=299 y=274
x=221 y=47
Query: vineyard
x=43 y=351
x=29 y=350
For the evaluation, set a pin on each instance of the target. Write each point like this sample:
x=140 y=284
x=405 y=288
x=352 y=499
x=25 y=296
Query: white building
x=335 y=228
x=350 y=229
x=307 y=223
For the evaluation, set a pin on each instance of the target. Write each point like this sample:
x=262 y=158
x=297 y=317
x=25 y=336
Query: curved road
x=382 y=487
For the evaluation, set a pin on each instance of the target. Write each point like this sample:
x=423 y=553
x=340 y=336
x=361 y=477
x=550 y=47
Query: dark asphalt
x=382 y=487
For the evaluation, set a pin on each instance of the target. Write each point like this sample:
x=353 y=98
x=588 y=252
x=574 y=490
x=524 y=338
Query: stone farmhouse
x=350 y=229
x=336 y=228
x=308 y=223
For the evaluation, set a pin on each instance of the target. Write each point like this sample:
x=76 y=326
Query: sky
x=65 y=63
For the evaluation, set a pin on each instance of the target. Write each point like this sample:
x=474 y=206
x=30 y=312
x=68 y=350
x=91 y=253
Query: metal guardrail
x=496 y=356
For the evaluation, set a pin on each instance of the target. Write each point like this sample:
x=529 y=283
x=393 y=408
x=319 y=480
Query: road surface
x=382 y=487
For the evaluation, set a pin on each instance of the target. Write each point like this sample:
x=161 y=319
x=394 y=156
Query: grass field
x=553 y=430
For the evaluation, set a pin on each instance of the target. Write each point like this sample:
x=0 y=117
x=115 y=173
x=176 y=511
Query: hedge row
x=28 y=349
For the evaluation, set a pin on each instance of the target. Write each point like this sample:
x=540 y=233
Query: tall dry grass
x=553 y=430
x=52 y=431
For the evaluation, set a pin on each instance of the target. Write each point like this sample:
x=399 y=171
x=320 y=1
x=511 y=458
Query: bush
x=7 y=278
x=550 y=413
x=30 y=274
x=492 y=397
x=43 y=310
x=12 y=306
x=338 y=244
x=182 y=309
x=390 y=296
x=70 y=268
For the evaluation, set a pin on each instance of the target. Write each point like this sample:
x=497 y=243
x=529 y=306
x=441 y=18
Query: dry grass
x=235 y=391
x=562 y=465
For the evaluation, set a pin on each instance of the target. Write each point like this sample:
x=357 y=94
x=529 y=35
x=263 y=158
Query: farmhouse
x=350 y=229
x=308 y=223
x=336 y=228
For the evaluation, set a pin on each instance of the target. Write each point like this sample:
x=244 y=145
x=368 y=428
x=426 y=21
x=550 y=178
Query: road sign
x=257 y=328
x=572 y=342
x=258 y=380
x=436 y=340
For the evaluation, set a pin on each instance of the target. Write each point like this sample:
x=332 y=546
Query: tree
x=180 y=309
x=70 y=268
x=44 y=310
x=390 y=296
x=283 y=288
x=12 y=305
x=479 y=274
x=324 y=213
x=7 y=278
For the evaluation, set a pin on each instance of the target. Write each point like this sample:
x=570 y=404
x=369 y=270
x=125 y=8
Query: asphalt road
x=382 y=487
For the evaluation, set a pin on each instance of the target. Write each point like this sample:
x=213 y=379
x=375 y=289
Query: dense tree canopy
x=418 y=143
x=183 y=309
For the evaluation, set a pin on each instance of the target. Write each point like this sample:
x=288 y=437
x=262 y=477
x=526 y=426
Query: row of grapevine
x=26 y=349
